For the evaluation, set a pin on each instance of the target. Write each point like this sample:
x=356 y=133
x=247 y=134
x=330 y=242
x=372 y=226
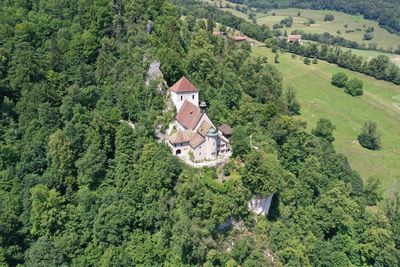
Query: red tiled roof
x=196 y=140
x=238 y=38
x=294 y=38
x=183 y=85
x=189 y=115
x=225 y=129
x=180 y=137
x=218 y=33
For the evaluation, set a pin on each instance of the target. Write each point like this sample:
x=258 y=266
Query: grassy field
x=382 y=37
x=367 y=54
x=319 y=99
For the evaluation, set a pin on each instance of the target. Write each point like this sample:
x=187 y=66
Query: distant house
x=192 y=135
x=238 y=38
x=294 y=39
x=219 y=33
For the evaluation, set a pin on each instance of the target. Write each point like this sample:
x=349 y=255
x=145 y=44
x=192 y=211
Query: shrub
x=339 y=79
x=368 y=36
x=354 y=87
x=276 y=59
x=307 y=61
x=315 y=61
x=370 y=137
x=329 y=17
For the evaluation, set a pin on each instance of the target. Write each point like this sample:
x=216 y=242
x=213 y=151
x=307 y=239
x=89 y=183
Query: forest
x=386 y=12
x=79 y=187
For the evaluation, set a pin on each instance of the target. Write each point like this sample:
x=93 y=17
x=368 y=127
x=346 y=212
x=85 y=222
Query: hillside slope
x=319 y=99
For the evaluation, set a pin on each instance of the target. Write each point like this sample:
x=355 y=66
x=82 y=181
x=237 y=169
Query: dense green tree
x=240 y=141
x=329 y=17
x=262 y=174
x=370 y=137
x=339 y=79
x=293 y=103
x=373 y=191
x=324 y=130
x=354 y=87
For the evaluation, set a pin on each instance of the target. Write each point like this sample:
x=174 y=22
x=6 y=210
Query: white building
x=184 y=90
x=192 y=136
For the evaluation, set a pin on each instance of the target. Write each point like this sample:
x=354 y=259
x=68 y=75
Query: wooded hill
x=78 y=187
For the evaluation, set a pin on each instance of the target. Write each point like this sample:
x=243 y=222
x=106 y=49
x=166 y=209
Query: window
x=192 y=96
x=181 y=98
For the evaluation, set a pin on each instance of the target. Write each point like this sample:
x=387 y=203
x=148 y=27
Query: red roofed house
x=239 y=38
x=192 y=136
x=294 y=39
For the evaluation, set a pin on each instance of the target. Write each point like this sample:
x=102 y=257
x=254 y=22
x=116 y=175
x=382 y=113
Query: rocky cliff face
x=260 y=205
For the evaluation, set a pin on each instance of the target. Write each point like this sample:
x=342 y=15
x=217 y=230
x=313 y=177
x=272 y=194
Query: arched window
x=178 y=152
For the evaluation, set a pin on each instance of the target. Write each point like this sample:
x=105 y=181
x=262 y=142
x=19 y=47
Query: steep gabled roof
x=204 y=128
x=189 y=115
x=196 y=140
x=183 y=86
x=181 y=137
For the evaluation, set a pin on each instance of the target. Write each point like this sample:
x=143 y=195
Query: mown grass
x=382 y=37
x=319 y=99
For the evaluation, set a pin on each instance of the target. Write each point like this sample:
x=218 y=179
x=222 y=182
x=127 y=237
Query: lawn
x=368 y=54
x=319 y=99
x=382 y=38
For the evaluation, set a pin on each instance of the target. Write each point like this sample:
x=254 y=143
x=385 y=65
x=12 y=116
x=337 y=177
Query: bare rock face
x=154 y=73
x=260 y=205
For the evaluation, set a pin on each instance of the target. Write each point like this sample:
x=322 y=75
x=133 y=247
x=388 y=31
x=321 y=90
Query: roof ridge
x=183 y=85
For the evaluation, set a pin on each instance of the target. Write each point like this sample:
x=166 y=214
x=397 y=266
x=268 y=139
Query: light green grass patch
x=320 y=99
x=382 y=37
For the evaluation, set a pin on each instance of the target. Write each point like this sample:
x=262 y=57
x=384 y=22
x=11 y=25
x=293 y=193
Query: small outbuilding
x=226 y=130
x=294 y=38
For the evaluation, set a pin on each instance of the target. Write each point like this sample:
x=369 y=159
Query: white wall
x=179 y=98
x=184 y=147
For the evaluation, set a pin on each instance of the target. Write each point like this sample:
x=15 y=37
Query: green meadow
x=320 y=99
x=382 y=38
